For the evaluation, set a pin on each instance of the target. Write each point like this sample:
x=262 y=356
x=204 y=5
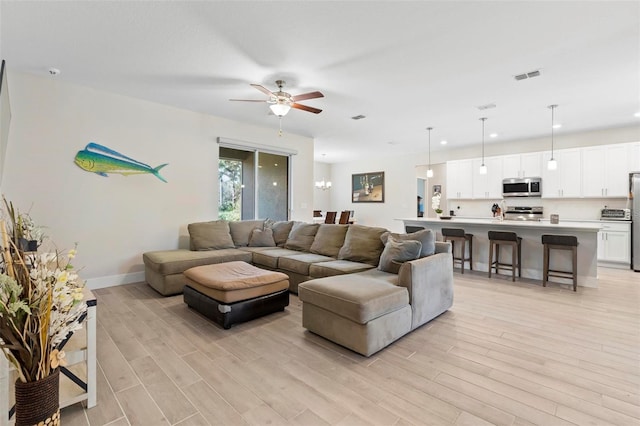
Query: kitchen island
x=532 y=249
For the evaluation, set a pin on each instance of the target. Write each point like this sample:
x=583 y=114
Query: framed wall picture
x=367 y=187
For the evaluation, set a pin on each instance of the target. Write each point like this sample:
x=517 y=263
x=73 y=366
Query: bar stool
x=411 y=229
x=560 y=242
x=457 y=234
x=496 y=238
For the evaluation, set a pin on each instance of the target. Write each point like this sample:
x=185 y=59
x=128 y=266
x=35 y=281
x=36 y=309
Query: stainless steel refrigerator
x=634 y=198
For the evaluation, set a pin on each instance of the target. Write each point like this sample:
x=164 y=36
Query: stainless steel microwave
x=522 y=187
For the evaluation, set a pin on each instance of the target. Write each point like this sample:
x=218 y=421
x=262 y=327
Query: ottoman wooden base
x=228 y=314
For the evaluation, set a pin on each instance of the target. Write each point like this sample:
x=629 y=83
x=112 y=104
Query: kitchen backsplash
x=575 y=208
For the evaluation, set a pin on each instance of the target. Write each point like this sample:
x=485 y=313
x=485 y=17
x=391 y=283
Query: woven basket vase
x=37 y=403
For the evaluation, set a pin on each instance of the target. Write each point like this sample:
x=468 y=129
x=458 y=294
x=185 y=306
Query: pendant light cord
x=553 y=107
x=483 y=120
x=429 y=129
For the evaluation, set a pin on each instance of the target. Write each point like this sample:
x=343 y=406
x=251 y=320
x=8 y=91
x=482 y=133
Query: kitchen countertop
x=532 y=251
x=589 y=226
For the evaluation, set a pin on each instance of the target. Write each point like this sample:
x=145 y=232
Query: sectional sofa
x=361 y=286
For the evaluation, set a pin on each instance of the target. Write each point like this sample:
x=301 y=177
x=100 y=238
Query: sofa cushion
x=241 y=231
x=355 y=297
x=212 y=235
x=269 y=258
x=397 y=252
x=337 y=267
x=426 y=237
x=167 y=262
x=261 y=238
x=362 y=244
x=301 y=236
x=280 y=229
x=329 y=239
x=301 y=263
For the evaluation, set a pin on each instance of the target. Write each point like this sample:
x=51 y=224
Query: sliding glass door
x=253 y=184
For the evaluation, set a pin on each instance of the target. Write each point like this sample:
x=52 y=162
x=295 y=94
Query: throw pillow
x=329 y=239
x=397 y=252
x=213 y=235
x=301 y=236
x=362 y=244
x=241 y=231
x=262 y=238
x=426 y=236
x=280 y=229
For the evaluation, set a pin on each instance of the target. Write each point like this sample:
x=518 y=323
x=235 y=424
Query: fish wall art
x=101 y=160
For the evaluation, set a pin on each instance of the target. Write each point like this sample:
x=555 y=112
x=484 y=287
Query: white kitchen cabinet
x=489 y=185
x=460 y=179
x=522 y=165
x=634 y=157
x=565 y=181
x=614 y=243
x=605 y=171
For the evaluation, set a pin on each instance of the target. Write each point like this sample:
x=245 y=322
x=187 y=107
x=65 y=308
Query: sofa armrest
x=443 y=247
x=429 y=281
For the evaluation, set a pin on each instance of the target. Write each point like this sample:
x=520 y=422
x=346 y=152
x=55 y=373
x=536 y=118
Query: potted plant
x=435 y=203
x=41 y=305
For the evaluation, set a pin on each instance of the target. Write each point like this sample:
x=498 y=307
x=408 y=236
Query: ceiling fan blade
x=263 y=89
x=306 y=108
x=310 y=95
x=248 y=100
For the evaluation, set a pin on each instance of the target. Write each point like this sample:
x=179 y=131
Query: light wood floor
x=506 y=353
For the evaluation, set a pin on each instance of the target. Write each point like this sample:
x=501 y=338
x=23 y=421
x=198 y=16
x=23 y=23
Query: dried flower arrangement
x=41 y=302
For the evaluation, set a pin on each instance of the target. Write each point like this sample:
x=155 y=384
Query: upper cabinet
x=605 y=170
x=565 y=180
x=634 y=157
x=522 y=165
x=489 y=185
x=459 y=179
x=598 y=172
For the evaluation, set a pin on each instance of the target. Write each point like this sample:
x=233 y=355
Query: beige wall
x=115 y=219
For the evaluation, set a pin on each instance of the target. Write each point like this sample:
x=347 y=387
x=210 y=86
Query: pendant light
x=429 y=170
x=483 y=168
x=552 y=164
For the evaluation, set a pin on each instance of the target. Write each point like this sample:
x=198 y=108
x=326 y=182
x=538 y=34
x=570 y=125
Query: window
x=253 y=183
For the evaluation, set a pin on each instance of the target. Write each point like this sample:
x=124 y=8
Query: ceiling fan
x=281 y=102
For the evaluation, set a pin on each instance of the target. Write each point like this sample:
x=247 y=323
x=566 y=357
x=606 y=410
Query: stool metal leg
x=490 y=258
x=519 y=245
x=471 y=254
x=575 y=268
x=514 y=259
x=462 y=258
x=545 y=270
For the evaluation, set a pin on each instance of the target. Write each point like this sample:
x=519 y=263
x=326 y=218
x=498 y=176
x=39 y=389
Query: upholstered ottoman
x=234 y=292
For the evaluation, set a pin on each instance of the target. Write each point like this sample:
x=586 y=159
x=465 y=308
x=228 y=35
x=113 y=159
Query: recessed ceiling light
x=637 y=114
x=557 y=126
x=54 y=71
x=393 y=143
x=358 y=117
x=443 y=142
x=493 y=135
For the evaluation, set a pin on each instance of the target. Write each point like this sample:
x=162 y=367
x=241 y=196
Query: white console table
x=80 y=352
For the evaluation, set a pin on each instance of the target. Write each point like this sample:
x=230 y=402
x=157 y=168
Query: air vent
x=487 y=106
x=358 y=117
x=530 y=74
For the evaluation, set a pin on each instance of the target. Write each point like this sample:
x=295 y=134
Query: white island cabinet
x=532 y=249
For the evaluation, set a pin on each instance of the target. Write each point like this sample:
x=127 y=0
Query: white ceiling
x=404 y=65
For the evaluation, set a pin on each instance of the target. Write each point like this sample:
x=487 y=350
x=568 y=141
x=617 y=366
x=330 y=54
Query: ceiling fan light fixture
x=280 y=109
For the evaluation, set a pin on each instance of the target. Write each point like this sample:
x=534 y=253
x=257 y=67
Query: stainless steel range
x=523 y=213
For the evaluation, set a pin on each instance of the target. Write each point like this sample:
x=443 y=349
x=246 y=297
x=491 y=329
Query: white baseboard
x=114 y=280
